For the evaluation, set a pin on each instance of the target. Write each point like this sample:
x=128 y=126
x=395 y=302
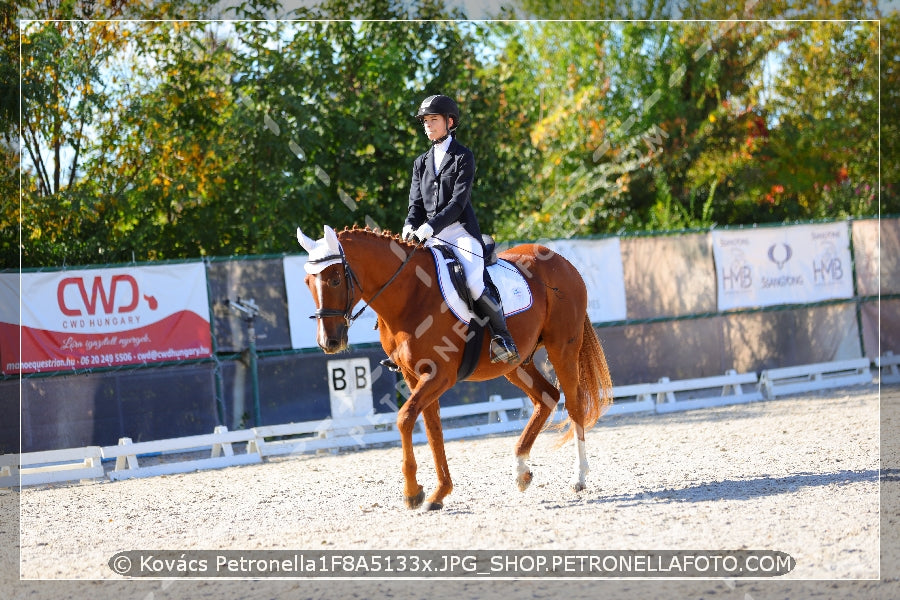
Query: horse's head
x=329 y=280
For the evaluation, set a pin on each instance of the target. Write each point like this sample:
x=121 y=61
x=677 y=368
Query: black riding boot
x=503 y=349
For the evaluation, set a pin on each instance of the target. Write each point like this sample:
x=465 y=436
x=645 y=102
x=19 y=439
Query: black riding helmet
x=439 y=105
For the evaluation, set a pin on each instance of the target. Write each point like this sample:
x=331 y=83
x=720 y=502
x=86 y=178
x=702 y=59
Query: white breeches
x=468 y=250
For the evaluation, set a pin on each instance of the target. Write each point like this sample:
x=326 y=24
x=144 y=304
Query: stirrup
x=390 y=365
x=503 y=350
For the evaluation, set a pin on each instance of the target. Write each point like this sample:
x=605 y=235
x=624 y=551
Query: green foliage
x=890 y=114
x=169 y=139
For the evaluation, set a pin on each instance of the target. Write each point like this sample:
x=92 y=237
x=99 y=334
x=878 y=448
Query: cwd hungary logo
x=121 y=296
x=780 y=254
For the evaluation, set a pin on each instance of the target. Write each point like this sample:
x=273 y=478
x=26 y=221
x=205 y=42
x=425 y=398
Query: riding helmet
x=439 y=105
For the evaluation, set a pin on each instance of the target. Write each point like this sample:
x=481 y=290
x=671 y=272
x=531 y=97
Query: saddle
x=475 y=332
x=458 y=276
x=514 y=294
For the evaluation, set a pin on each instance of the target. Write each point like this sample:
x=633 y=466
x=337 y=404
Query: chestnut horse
x=398 y=281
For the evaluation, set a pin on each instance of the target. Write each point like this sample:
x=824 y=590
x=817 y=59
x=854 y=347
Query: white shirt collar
x=440 y=151
x=445 y=145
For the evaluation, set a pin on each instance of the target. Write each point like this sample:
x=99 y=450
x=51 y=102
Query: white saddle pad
x=514 y=291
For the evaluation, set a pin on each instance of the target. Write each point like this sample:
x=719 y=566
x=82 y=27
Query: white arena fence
x=178 y=455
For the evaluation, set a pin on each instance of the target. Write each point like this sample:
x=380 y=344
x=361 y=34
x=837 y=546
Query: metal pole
x=254 y=375
x=248 y=310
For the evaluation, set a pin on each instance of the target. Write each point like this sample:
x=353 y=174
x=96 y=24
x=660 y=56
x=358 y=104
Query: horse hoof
x=433 y=506
x=413 y=502
x=578 y=486
x=524 y=480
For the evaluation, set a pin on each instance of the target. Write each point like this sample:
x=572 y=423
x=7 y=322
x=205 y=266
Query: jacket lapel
x=428 y=175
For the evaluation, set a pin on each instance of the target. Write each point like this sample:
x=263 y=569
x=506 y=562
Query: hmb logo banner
x=782 y=265
x=103 y=317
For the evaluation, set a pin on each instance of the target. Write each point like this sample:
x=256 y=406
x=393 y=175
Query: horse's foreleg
x=413 y=493
x=424 y=398
x=435 y=433
x=544 y=397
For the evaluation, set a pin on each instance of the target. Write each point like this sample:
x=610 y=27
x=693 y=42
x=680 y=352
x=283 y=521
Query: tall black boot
x=502 y=346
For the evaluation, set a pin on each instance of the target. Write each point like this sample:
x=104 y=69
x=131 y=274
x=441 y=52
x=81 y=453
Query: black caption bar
x=451 y=563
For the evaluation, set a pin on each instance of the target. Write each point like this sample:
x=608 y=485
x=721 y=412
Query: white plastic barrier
x=379 y=428
x=51 y=466
x=888 y=367
x=818 y=376
x=663 y=396
x=85 y=463
x=9 y=470
x=222 y=454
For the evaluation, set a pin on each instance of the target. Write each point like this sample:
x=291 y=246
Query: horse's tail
x=594 y=382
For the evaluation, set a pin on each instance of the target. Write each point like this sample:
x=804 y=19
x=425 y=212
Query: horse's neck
x=376 y=264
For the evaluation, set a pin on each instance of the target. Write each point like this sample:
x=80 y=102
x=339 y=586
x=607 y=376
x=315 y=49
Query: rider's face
x=435 y=126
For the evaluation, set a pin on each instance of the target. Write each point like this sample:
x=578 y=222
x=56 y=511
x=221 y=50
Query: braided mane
x=386 y=234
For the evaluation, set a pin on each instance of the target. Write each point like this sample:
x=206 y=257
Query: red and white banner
x=782 y=265
x=104 y=317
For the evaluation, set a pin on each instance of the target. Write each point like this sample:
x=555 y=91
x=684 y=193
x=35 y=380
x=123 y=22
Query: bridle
x=350 y=280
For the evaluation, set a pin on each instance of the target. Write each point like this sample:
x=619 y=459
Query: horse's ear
x=307 y=242
x=331 y=240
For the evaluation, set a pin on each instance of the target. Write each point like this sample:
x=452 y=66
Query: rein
x=351 y=277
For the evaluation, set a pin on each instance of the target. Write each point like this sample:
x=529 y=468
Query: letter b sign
x=350 y=388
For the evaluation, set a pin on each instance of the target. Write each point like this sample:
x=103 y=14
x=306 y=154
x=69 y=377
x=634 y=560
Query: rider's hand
x=408 y=232
x=424 y=232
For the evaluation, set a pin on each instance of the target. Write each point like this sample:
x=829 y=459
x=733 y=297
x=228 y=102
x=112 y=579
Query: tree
x=66 y=94
x=681 y=125
x=181 y=139
x=9 y=143
x=626 y=111
x=890 y=114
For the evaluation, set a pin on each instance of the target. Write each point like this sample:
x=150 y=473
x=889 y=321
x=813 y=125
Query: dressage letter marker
x=350 y=388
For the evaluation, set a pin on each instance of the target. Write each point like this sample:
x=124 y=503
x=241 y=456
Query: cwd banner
x=782 y=265
x=107 y=317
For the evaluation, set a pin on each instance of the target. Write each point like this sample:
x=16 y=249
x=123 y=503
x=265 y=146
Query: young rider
x=440 y=212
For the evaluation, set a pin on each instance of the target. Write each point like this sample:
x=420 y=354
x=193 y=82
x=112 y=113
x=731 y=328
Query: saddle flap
x=457 y=275
x=515 y=295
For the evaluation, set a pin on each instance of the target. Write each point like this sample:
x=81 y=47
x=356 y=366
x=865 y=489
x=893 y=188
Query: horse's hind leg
x=567 y=371
x=581 y=462
x=544 y=397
